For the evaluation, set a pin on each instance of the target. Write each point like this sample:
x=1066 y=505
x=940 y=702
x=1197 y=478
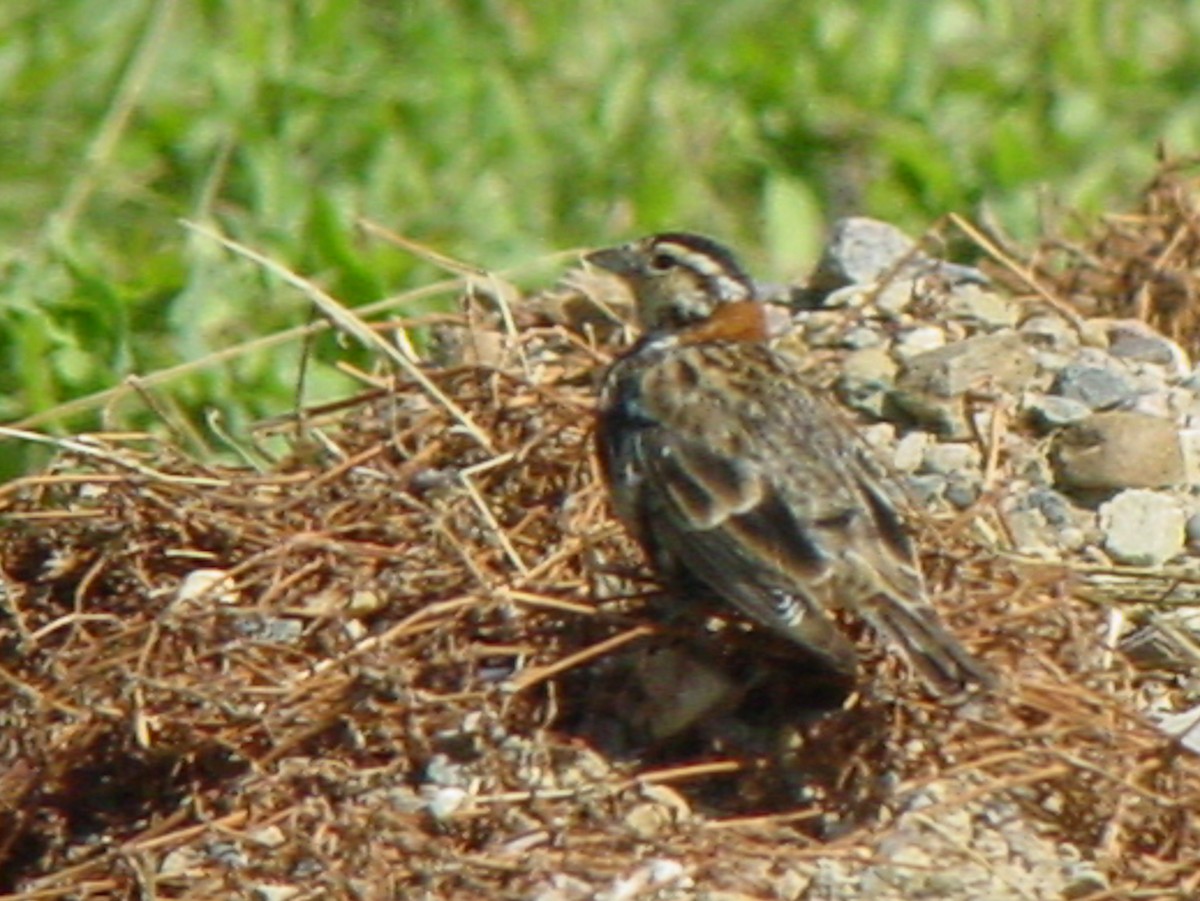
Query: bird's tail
x=944 y=664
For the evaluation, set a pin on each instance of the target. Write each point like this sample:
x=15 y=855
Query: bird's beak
x=619 y=260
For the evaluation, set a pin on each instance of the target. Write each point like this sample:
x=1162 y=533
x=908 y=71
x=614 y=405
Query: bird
x=742 y=483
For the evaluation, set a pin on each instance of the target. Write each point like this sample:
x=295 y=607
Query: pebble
x=1115 y=450
x=1133 y=339
x=962 y=490
x=1000 y=361
x=866 y=378
x=931 y=385
x=1051 y=411
x=917 y=341
x=910 y=451
x=861 y=250
x=1050 y=332
x=927 y=490
x=862 y=337
x=983 y=308
x=952 y=458
x=1052 y=505
x=894 y=298
x=1098 y=387
x=1142 y=528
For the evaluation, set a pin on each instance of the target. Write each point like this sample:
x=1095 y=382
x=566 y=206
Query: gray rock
x=1133 y=339
x=1050 y=411
x=1115 y=450
x=962 y=490
x=1001 y=361
x=1099 y=387
x=951 y=458
x=1029 y=530
x=1050 y=333
x=862 y=337
x=866 y=378
x=894 y=298
x=919 y=340
x=927 y=490
x=978 y=306
x=1142 y=528
x=862 y=250
x=1053 y=506
x=931 y=385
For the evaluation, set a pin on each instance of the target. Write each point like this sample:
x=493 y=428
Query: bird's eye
x=661 y=262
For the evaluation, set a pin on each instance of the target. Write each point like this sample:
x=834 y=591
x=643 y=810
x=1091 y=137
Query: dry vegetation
x=410 y=662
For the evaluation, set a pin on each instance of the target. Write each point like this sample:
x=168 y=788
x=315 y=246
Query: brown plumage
x=740 y=481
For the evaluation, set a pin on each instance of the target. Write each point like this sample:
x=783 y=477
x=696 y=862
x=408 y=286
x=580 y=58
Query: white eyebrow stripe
x=709 y=267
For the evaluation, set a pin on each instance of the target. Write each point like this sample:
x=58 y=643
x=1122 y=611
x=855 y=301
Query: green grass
x=499 y=131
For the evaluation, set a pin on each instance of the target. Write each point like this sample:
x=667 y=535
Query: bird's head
x=677 y=279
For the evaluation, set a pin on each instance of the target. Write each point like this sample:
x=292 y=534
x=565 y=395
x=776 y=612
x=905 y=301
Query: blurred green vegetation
x=499 y=131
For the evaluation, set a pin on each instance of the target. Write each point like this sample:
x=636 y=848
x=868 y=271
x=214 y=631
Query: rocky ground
x=416 y=658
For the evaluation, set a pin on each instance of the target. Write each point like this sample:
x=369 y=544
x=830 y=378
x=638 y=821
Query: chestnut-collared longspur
x=741 y=483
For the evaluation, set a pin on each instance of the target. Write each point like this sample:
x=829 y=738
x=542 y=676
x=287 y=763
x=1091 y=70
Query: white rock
x=205 y=585
x=1142 y=528
x=918 y=340
x=910 y=451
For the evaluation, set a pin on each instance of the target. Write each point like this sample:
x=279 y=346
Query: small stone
x=851 y=297
x=1001 y=359
x=1142 y=528
x=910 y=451
x=894 y=298
x=927 y=490
x=181 y=861
x=822 y=329
x=862 y=250
x=867 y=375
x=880 y=435
x=859 y=251
x=917 y=341
x=1157 y=404
x=951 y=458
x=1052 y=505
x=266 y=891
x=1133 y=339
x=268 y=837
x=1029 y=531
x=647 y=820
x=862 y=337
x=1192 y=529
x=962 y=491
x=207 y=585
x=271 y=629
x=1110 y=451
x=982 y=307
x=1094 y=333
x=443 y=802
x=1099 y=387
x=1050 y=411
x=931 y=385
x=1050 y=332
